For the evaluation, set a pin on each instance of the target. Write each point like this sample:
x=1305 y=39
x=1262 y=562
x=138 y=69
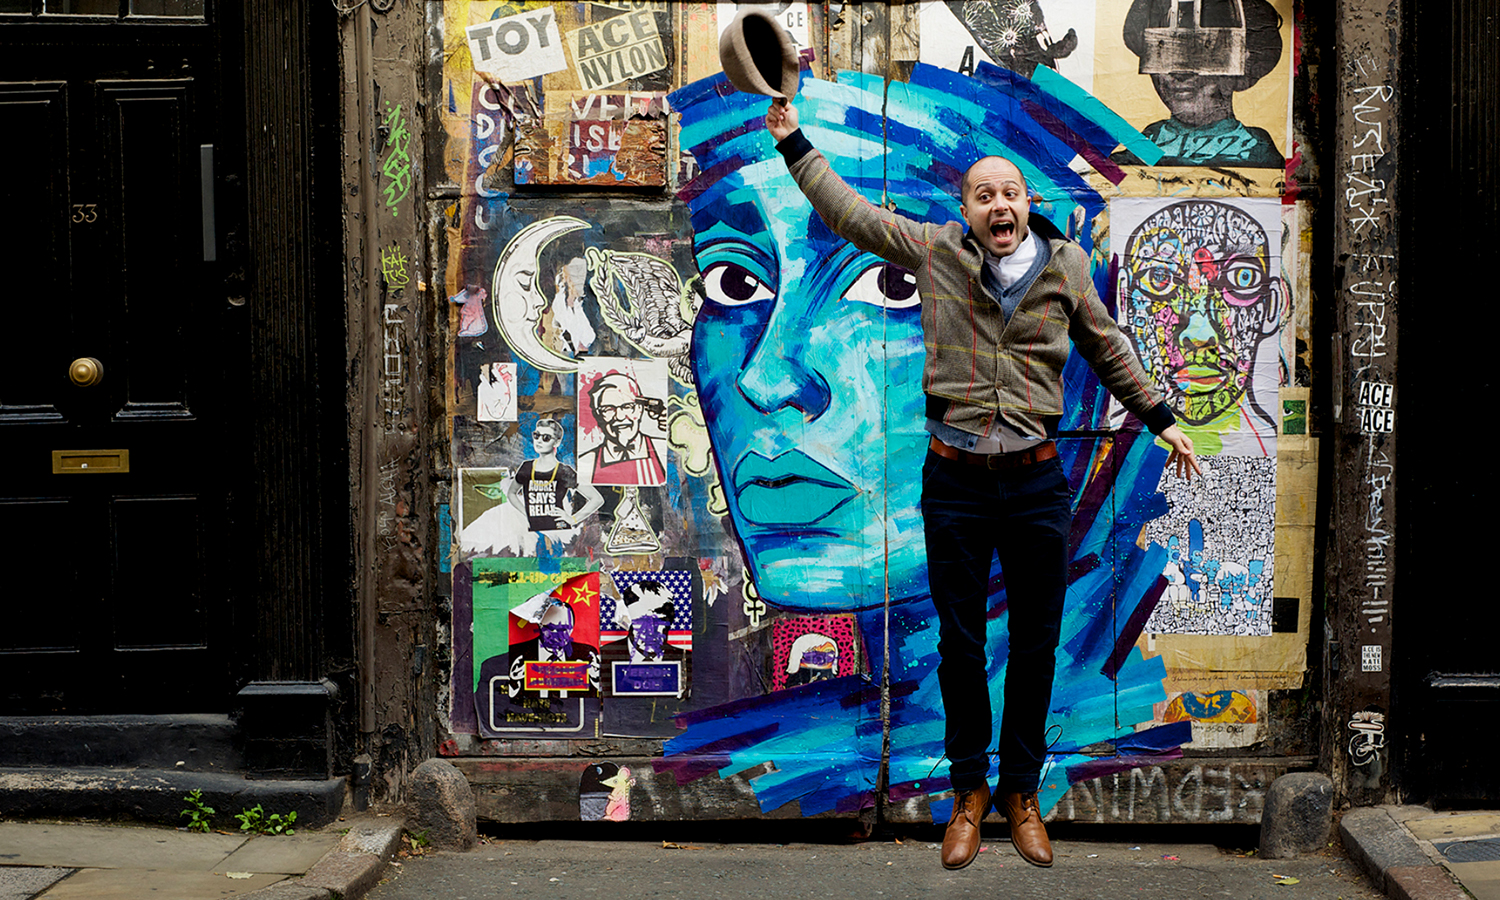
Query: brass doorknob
x=86 y=371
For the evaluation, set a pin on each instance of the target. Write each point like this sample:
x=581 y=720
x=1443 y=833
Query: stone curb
x=348 y=871
x=1393 y=859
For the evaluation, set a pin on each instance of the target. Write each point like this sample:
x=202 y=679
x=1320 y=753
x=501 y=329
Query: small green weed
x=255 y=821
x=198 y=813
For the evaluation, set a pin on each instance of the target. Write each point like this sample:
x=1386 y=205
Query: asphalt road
x=520 y=864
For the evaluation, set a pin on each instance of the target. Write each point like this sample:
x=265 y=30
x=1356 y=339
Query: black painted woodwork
x=1447 y=669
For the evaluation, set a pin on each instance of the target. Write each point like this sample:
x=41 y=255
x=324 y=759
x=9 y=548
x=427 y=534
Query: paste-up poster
x=497 y=392
x=1015 y=34
x=646 y=639
x=1220 y=537
x=536 y=646
x=807 y=649
x=489 y=522
x=622 y=421
x=1202 y=299
x=1208 y=82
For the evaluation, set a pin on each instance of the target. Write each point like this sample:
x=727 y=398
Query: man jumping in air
x=1003 y=299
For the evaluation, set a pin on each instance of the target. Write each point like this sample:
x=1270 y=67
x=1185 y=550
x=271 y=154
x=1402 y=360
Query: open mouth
x=1003 y=230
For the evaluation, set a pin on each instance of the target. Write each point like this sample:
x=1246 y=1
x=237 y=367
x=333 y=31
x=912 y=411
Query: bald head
x=987 y=164
x=996 y=204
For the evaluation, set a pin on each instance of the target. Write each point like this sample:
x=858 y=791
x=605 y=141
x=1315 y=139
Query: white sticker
x=517 y=47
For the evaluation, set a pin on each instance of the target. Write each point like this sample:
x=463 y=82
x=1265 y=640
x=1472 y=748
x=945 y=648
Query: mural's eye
x=1158 y=279
x=885 y=285
x=1243 y=281
x=731 y=284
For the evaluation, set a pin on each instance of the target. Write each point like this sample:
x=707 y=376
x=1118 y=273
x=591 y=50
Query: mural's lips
x=792 y=489
x=1198 y=379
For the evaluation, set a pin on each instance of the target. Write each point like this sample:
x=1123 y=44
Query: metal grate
x=1470 y=851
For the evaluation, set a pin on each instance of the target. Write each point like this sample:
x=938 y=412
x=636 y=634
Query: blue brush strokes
x=823 y=741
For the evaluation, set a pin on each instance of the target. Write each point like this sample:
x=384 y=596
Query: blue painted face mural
x=804 y=351
x=807 y=359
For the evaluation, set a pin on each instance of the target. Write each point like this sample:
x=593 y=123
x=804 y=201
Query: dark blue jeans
x=969 y=513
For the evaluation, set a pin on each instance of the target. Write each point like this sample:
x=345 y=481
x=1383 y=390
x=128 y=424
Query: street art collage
x=686 y=420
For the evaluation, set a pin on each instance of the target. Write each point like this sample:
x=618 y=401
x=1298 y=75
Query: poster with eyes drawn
x=1202 y=299
x=646 y=628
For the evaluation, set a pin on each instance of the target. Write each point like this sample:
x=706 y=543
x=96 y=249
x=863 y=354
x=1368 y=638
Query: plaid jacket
x=979 y=366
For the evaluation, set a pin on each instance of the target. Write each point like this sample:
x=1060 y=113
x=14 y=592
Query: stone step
x=156 y=795
x=196 y=743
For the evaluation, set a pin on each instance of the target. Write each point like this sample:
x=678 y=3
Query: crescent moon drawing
x=517 y=298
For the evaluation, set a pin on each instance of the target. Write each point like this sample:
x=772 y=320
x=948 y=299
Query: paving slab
x=145 y=884
x=24 y=882
x=285 y=854
x=1482 y=879
x=103 y=847
x=1447 y=828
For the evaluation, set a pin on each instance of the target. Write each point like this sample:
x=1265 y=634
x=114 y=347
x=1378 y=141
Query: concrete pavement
x=1402 y=852
x=78 y=861
x=689 y=860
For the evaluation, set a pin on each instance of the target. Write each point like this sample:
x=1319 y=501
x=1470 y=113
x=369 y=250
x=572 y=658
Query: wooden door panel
x=42 y=584
x=152 y=167
x=108 y=610
x=159 y=604
x=34 y=233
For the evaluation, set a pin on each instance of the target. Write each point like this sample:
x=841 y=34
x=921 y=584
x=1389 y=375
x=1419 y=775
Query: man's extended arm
x=1099 y=339
x=889 y=236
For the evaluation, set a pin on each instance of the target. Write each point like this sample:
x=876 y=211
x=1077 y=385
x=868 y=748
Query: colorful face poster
x=1202 y=299
x=536 y=646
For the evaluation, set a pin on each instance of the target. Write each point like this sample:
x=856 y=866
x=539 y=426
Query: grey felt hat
x=758 y=55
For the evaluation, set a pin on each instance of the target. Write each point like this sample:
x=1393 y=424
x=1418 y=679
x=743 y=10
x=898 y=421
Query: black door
x=113 y=464
x=1447 y=667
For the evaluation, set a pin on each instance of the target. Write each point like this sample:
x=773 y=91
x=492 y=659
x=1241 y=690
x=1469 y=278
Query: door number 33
x=85 y=212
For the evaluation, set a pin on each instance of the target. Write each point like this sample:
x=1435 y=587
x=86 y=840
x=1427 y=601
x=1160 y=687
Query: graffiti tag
x=397 y=165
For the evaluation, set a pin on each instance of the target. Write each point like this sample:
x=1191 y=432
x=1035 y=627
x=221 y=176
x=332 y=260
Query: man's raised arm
x=888 y=235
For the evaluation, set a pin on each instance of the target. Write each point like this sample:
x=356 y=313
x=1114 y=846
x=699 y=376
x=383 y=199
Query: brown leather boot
x=1026 y=829
x=961 y=840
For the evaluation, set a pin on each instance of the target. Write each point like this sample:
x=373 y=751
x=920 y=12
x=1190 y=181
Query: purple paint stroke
x=687 y=769
x=853 y=803
x=935 y=785
x=707 y=178
x=1055 y=127
x=1133 y=627
x=1114 y=765
x=1097 y=491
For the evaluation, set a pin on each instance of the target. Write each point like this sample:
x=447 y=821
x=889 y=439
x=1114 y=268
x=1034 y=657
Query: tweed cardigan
x=978 y=364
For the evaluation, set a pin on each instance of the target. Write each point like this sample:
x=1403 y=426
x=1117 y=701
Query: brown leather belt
x=1041 y=452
